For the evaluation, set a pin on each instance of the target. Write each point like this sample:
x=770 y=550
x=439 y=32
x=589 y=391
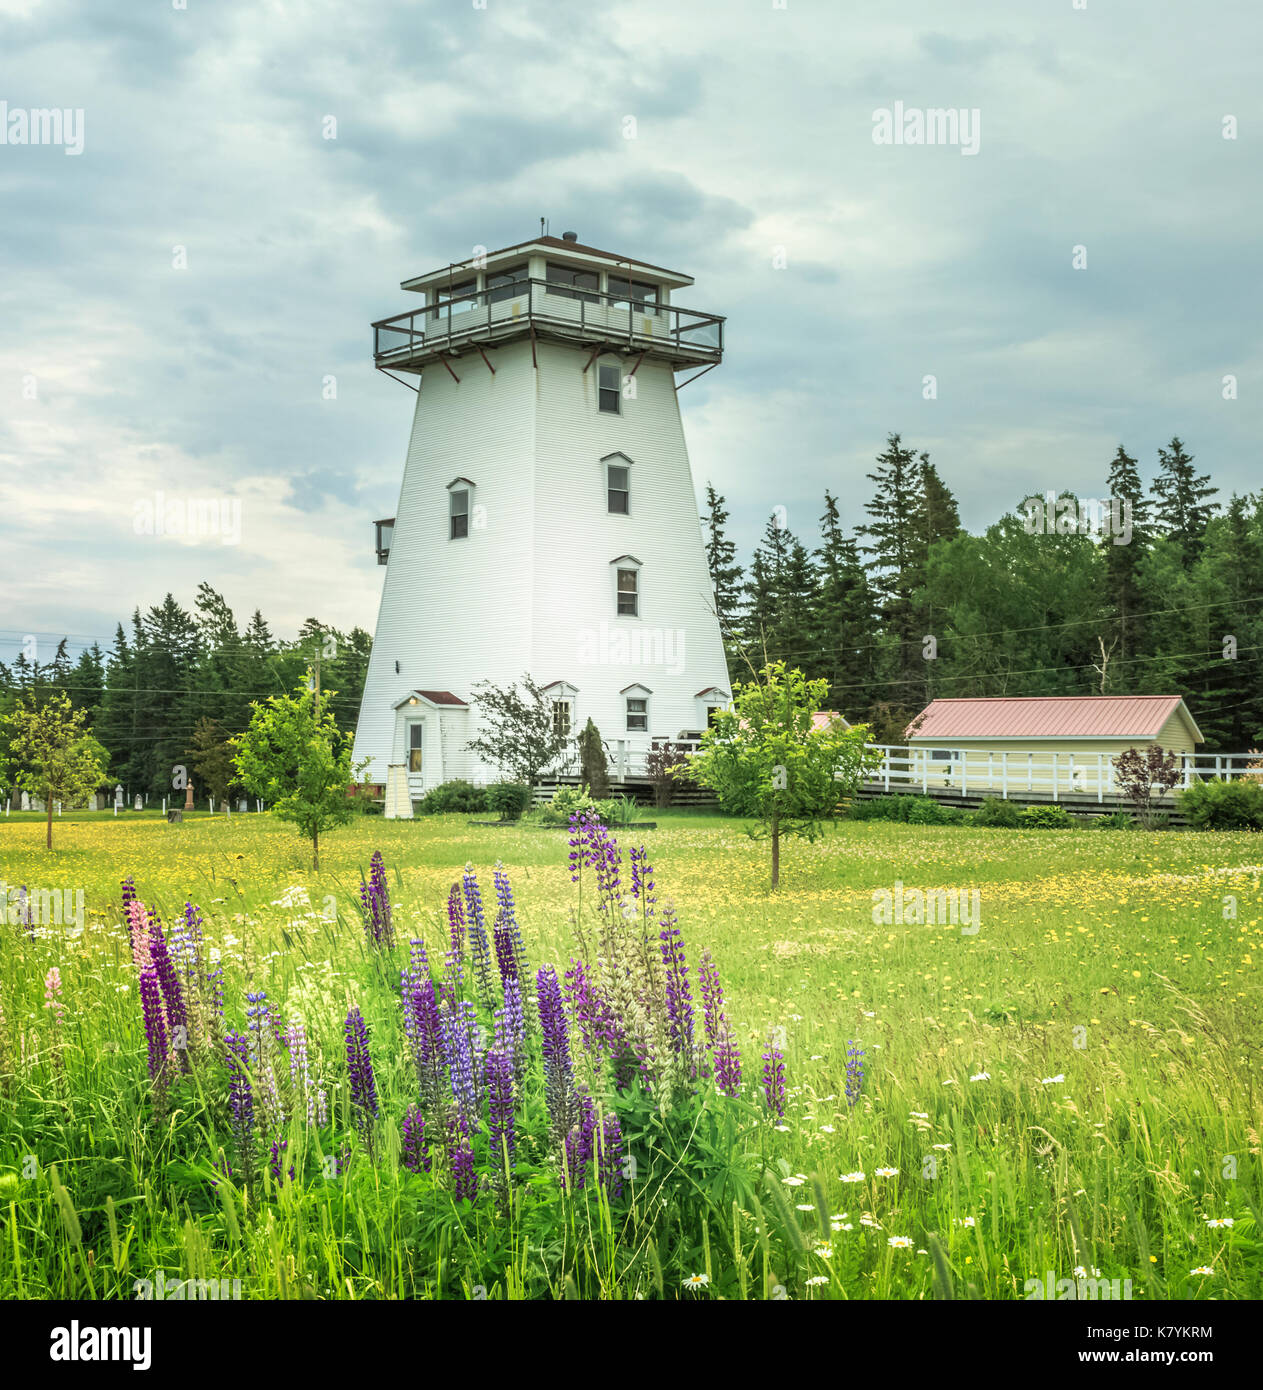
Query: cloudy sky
x=173 y=297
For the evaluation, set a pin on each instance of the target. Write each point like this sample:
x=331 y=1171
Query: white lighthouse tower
x=547 y=521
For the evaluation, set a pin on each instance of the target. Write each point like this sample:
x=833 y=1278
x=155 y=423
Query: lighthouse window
x=609 y=390
x=459 y=514
x=443 y=294
x=569 y=283
x=562 y=718
x=506 y=284
x=628 y=595
x=619 y=489
x=643 y=298
x=637 y=714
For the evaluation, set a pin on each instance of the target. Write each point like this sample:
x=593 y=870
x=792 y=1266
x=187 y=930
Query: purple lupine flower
x=276 y=1161
x=429 y=1052
x=458 y=1029
x=299 y=1068
x=712 y=997
x=359 y=1067
x=642 y=878
x=727 y=1065
x=507 y=923
x=854 y=1071
x=416 y=1149
x=215 y=989
x=558 y=1067
x=172 y=994
x=611 y=1164
x=774 y=1081
x=375 y=907
x=579 y=1146
x=678 y=995
x=186 y=942
x=460 y=1158
x=456 y=926
x=240 y=1093
x=129 y=891
x=417 y=969
x=593 y=847
x=479 y=944
x=599 y=1025
x=322 y=1108
x=500 y=1127
x=155 y=1024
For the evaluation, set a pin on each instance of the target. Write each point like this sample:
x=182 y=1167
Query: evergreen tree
x=1182 y=511
x=87 y=683
x=721 y=560
x=898 y=555
x=845 y=616
x=1124 y=599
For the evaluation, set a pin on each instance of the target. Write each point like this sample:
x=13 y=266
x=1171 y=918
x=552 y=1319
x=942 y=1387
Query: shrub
x=593 y=766
x=1046 y=818
x=1215 y=805
x=911 y=810
x=663 y=765
x=455 y=796
x=508 y=799
x=1116 y=820
x=995 y=811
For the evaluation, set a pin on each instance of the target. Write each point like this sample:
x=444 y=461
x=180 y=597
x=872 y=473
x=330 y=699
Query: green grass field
x=1075 y=1085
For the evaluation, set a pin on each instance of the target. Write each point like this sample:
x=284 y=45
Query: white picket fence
x=973 y=771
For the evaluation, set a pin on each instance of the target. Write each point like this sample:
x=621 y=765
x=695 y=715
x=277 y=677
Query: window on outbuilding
x=563 y=718
x=609 y=389
x=637 y=714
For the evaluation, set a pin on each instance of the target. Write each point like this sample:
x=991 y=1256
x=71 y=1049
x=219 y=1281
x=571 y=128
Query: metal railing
x=503 y=310
x=905 y=767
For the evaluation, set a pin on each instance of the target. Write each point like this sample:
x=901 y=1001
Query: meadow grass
x=1108 y=1004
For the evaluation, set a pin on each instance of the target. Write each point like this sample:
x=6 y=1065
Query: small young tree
x=766 y=758
x=52 y=754
x=519 y=734
x=211 y=756
x=1141 y=775
x=294 y=757
x=594 y=768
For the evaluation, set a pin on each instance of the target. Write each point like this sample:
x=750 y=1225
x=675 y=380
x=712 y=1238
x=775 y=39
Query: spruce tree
x=1123 y=599
x=1182 y=510
x=721 y=553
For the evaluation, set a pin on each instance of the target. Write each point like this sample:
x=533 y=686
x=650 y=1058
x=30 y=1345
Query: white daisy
x=1202 y=1269
x=816 y=1280
x=851 y=1177
x=697 y=1281
x=887 y=1172
x=899 y=1242
x=1218 y=1221
x=824 y=1251
x=1053 y=1080
x=981 y=1076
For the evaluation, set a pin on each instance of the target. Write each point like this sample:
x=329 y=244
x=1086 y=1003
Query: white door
x=415 y=755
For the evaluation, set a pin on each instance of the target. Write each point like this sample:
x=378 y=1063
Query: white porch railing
x=627 y=759
x=905 y=767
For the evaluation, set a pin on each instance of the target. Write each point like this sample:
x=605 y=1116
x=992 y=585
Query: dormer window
x=636 y=705
x=618 y=485
x=460 y=496
x=609 y=389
